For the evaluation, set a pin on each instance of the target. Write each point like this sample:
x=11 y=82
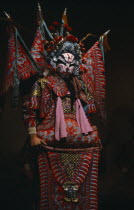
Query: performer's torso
x=46 y=127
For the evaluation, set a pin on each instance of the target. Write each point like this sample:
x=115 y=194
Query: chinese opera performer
x=60 y=109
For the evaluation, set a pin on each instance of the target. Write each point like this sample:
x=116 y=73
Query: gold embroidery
x=66 y=103
x=88 y=94
x=70 y=161
x=42 y=82
x=69 y=110
x=36 y=92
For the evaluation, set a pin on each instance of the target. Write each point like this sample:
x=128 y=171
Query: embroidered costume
x=61 y=109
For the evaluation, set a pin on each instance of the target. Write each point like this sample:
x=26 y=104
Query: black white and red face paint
x=65 y=65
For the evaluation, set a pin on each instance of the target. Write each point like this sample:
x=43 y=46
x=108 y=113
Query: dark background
x=117 y=162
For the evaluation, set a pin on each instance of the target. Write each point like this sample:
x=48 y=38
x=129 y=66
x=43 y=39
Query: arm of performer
x=31 y=108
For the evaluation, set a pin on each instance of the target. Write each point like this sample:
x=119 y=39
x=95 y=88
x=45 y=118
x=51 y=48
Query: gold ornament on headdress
x=64 y=17
x=64 y=21
x=86 y=37
x=104 y=41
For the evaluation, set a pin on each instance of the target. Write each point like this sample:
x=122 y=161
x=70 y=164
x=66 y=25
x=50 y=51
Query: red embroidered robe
x=68 y=175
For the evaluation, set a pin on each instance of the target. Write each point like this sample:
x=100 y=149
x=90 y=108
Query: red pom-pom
x=55 y=23
x=83 y=49
x=57 y=39
x=81 y=44
x=76 y=40
x=66 y=26
x=49 y=66
x=60 y=38
x=51 y=28
x=71 y=38
x=69 y=29
x=45 y=41
x=52 y=43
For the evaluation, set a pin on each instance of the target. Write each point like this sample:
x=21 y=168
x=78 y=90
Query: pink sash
x=60 y=126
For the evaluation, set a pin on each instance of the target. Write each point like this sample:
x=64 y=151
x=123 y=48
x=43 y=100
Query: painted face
x=65 y=65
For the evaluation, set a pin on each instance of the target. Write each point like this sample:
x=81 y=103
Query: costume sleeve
x=31 y=108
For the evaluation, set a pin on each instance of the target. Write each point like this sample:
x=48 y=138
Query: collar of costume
x=55 y=83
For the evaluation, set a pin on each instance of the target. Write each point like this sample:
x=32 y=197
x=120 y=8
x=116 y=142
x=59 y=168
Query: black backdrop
x=116 y=181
